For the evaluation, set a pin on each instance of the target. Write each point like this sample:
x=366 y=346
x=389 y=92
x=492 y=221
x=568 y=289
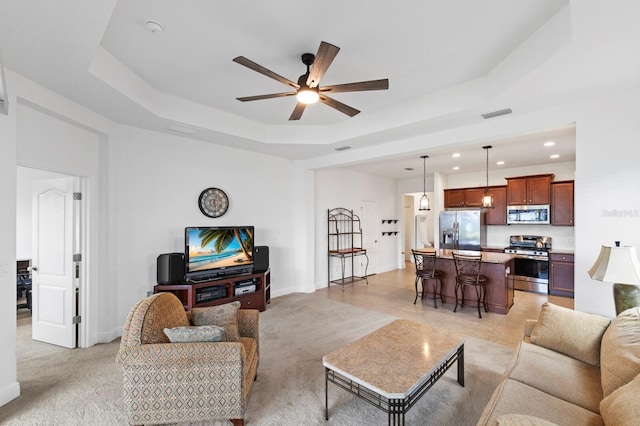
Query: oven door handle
x=524 y=256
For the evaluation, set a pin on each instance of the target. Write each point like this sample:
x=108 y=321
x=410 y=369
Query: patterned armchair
x=184 y=382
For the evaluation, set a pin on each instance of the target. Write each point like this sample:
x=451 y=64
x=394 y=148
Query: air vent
x=342 y=148
x=182 y=129
x=497 y=113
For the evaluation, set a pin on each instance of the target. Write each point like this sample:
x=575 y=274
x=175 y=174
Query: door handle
x=34 y=268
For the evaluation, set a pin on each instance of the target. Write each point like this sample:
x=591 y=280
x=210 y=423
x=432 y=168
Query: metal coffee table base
x=395 y=408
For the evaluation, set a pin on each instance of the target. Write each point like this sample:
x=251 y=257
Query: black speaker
x=260 y=259
x=170 y=268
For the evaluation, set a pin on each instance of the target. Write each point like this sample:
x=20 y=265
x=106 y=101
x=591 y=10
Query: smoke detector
x=153 y=26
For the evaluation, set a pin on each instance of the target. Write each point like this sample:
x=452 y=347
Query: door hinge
x=76 y=320
x=77 y=257
x=77 y=196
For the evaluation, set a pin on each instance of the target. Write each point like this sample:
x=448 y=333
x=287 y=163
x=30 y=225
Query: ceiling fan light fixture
x=307 y=95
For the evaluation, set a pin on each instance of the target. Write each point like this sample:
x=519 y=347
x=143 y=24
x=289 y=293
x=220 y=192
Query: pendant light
x=424 y=200
x=487 y=197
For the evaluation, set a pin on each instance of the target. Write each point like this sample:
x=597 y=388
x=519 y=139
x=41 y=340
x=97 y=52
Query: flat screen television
x=217 y=251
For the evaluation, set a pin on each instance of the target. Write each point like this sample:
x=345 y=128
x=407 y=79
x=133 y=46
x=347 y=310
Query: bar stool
x=468 y=274
x=426 y=270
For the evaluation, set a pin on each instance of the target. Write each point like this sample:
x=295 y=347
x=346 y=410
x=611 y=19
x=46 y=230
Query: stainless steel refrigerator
x=463 y=229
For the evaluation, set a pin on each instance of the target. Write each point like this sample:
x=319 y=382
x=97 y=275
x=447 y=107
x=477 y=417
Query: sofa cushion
x=196 y=333
x=551 y=371
x=620 y=358
x=522 y=420
x=622 y=407
x=570 y=332
x=512 y=396
x=222 y=315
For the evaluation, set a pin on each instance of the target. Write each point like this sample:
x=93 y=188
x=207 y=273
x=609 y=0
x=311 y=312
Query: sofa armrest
x=248 y=325
x=528 y=327
x=182 y=353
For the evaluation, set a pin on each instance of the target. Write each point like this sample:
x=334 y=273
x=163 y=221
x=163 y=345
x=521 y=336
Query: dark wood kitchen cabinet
x=561 y=274
x=562 y=203
x=498 y=214
x=463 y=197
x=529 y=190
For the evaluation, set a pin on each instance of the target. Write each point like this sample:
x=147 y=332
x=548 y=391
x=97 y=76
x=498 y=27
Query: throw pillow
x=522 y=420
x=222 y=315
x=570 y=332
x=622 y=406
x=620 y=358
x=203 y=333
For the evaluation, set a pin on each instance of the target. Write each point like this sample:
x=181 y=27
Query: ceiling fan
x=307 y=89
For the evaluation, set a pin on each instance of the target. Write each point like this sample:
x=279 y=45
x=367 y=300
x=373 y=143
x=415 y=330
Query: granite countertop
x=487 y=257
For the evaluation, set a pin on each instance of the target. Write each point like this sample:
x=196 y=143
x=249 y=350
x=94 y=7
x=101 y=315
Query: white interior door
x=369 y=218
x=53 y=282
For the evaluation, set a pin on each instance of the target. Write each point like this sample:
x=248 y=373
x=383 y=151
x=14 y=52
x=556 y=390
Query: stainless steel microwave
x=528 y=215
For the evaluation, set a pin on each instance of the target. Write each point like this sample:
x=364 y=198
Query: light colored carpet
x=83 y=386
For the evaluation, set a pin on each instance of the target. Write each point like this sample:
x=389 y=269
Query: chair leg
x=480 y=297
x=484 y=298
x=237 y=422
x=456 y=293
x=442 y=298
x=435 y=291
x=416 y=285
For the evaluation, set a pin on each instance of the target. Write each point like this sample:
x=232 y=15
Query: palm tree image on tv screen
x=214 y=248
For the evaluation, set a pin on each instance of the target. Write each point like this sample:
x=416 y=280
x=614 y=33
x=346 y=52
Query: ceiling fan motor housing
x=308 y=58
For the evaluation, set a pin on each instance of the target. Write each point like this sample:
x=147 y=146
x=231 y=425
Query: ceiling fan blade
x=345 y=109
x=297 y=111
x=326 y=53
x=260 y=97
x=262 y=70
x=357 y=87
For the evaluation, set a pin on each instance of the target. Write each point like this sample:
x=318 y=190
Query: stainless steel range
x=531 y=262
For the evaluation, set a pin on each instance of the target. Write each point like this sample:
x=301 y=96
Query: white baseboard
x=109 y=336
x=9 y=393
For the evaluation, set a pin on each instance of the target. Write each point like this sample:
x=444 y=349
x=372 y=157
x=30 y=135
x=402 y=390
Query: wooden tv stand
x=197 y=295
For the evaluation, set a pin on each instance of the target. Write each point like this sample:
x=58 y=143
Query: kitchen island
x=497 y=267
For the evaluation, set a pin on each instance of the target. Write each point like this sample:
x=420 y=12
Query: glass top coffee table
x=394 y=366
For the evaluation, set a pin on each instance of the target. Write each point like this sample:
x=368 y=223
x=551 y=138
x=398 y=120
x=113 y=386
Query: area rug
x=84 y=386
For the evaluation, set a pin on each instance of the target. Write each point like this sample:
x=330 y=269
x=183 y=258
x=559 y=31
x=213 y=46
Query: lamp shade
x=617 y=265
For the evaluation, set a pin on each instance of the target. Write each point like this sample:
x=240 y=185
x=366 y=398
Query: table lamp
x=620 y=266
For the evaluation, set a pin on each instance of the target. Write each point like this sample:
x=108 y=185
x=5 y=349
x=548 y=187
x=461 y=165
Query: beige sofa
x=572 y=368
x=194 y=381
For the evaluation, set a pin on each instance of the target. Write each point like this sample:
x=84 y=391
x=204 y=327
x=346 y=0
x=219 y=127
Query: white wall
x=9 y=386
x=159 y=178
x=345 y=188
x=607 y=198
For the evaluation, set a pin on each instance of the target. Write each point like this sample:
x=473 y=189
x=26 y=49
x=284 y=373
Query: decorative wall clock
x=213 y=202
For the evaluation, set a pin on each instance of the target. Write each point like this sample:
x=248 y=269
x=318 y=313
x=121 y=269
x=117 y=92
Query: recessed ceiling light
x=456 y=168
x=549 y=143
x=500 y=163
x=455 y=155
x=409 y=169
x=554 y=156
x=153 y=26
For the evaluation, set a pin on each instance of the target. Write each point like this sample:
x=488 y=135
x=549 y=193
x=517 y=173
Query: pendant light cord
x=487 y=148
x=424 y=174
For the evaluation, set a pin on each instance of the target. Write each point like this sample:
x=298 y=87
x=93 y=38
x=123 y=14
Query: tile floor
x=393 y=293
